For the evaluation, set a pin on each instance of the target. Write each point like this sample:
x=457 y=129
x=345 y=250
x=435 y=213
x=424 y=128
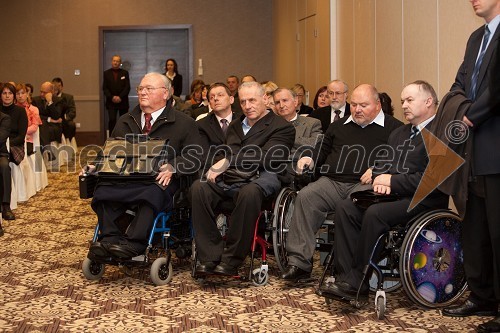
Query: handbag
x=17 y=154
x=364 y=199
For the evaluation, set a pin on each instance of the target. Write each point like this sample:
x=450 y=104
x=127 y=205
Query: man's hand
x=165 y=174
x=303 y=163
x=467 y=121
x=116 y=99
x=217 y=169
x=382 y=184
x=89 y=168
x=48 y=97
x=366 y=178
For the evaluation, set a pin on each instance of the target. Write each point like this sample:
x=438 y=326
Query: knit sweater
x=348 y=150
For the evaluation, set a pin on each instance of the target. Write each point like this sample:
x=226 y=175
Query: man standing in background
x=481 y=226
x=116 y=86
x=68 y=113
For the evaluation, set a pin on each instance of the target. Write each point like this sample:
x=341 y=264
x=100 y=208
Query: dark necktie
x=337 y=115
x=477 y=67
x=147 y=123
x=224 y=125
x=414 y=132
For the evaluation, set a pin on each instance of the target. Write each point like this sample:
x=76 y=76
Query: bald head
x=365 y=104
x=45 y=89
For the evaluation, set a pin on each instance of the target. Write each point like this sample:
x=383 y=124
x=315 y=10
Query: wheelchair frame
x=393 y=268
x=166 y=226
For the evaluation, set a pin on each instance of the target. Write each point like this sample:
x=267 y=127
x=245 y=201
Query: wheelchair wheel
x=260 y=277
x=161 y=273
x=92 y=270
x=283 y=210
x=380 y=307
x=431 y=263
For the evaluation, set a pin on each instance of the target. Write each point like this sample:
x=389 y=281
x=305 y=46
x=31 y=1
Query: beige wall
x=44 y=39
x=301 y=43
x=393 y=42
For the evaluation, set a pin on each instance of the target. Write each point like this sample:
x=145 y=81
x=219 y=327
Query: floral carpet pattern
x=42 y=288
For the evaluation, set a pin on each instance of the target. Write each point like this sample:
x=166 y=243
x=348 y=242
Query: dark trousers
x=209 y=244
x=481 y=239
x=137 y=233
x=357 y=231
x=50 y=132
x=5 y=179
x=112 y=117
x=68 y=129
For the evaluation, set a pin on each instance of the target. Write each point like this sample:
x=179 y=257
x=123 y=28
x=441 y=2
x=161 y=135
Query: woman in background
x=24 y=100
x=174 y=76
x=17 y=135
x=321 y=99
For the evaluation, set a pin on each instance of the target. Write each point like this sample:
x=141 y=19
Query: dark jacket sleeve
x=22 y=127
x=4 y=127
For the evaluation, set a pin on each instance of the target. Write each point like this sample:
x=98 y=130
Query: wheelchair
x=261 y=243
x=424 y=257
x=171 y=232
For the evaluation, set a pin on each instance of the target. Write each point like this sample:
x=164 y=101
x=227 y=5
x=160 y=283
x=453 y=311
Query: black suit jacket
x=410 y=159
x=482 y=113
x=120 y=87
x=305 y=109
x=324 y=114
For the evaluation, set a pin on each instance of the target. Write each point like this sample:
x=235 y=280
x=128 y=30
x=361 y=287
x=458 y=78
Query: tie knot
x=414 y=132
x=223 y=121
x=337 y=112
x=147 y=116
x=224 y=125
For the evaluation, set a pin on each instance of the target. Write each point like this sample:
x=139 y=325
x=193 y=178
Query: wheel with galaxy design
x=431 y=262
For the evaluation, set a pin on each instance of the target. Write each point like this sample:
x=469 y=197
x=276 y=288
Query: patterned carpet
x=42 y=288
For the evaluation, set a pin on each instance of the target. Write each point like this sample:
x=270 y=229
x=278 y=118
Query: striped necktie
x=414 y=132
x=147 y=123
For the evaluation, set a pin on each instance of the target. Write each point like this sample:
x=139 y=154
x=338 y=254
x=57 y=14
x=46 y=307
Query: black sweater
x=18 y=124
x=348 y=150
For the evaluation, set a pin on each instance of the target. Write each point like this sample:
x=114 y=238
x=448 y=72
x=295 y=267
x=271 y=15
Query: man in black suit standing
x=116 y=86
x=481 y=228
x=258 y=144
x=357 y=230
x=68 y=113
x=337 y=90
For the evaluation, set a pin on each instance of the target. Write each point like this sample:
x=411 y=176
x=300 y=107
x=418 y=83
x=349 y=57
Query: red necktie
x=147 y=123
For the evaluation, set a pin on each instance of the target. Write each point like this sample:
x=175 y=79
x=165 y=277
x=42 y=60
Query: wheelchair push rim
x=283 y=210
x=431 y=263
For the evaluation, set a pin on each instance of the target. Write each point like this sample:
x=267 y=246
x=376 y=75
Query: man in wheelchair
x=155 y=117
x=245 y=172
x=348 y=149
x=357 y=229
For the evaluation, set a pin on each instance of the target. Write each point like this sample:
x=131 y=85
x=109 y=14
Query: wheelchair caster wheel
x=260 y=277
x=328 y=301
x=380 y=307
x=161 y=273
x=92 y=270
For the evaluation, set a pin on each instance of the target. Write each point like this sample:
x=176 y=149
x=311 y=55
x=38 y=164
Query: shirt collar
x=379 y=119
x=154 y=116
x=229 y=117
x=424 y=123
x=493 y=25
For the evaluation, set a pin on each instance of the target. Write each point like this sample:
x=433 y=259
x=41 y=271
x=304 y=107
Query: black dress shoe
x=7 y=214
x=206 y=267
x=490 y=326
x=123 y=251
x=470 y=308
x=294 y=273
x=99 y=249
x=225 y=269
x=343 y=290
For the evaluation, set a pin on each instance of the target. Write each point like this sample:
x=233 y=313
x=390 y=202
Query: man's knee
x=251 y=192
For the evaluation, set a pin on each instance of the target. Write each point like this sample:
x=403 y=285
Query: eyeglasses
x=336 y=93
x=149 y=90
